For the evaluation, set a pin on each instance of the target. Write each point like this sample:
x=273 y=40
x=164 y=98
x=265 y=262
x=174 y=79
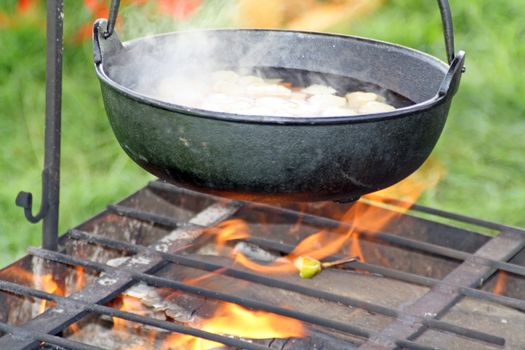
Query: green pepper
x=308 y=267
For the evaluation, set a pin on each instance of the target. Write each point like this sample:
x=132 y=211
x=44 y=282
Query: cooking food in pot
x=230 y=92
x=273 y=157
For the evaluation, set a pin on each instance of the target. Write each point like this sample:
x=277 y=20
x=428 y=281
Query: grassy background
x=482 y=147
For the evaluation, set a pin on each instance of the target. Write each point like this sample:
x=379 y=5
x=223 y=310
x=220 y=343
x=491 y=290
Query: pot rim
x=437 y=99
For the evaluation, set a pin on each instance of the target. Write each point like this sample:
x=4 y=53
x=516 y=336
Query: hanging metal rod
x=51 y=174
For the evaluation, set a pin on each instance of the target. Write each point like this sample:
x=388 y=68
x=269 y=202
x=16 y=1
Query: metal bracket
x=25 y=200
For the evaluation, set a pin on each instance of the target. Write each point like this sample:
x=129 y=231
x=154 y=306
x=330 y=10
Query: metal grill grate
x=407 y=324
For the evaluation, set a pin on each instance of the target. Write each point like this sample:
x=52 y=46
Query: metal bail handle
x=444 y=7
x=448 y=29
x=112 y=20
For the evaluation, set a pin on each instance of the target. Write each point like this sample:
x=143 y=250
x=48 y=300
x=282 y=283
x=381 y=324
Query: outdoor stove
x=168 y=268
x=423 y=283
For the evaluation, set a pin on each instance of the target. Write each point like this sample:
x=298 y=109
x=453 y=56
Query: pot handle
x=104 y=45
x=451 y=81
x=105 y=30
x=444 y=8
x=112 y=20
x=448 y=29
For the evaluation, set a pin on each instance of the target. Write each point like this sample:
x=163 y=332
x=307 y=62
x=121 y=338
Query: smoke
x=185 y=61
x=183 y=64
x=188 y=58
x=151 y=18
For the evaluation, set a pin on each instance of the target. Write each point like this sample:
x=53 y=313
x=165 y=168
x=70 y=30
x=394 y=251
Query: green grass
x=482 y=147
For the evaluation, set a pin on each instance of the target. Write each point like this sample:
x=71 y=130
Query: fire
x=48 y=285
x=499 y=287
x=80 y=281
x=228 y=230
x=129 y=304
x=361 y=216
x=229 y=320
x=43 y=282
x=237 y=321
x=133 y=305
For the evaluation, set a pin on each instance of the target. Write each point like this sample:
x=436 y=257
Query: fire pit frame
x=408 y=323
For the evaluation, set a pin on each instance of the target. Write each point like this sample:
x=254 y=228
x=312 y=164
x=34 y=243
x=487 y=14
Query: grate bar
x=112 y=312
x=334 y=224
x=403 y=276
x=161 y=282
x=496 y=298
x=146 y=216
x=100 y=292
x=273 y=282
x=453 y=216
x=443 y=296
x=356 y=265
x=166 y=187
x=46 y=338
x=390 y=238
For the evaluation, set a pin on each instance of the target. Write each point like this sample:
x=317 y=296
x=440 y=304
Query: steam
x=186 y=62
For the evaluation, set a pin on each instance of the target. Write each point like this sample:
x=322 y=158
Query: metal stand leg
x=51 y=173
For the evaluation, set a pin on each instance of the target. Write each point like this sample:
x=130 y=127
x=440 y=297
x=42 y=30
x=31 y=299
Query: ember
x=233 y=320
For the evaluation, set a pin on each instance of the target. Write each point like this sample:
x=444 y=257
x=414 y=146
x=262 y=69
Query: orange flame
x=48 y=285
x=228 y=230
x=80 y=281
x=499 y=287
x=129 y=304
x=234 y=320
x=43 y=282
x=133 y=305
x=360 y=216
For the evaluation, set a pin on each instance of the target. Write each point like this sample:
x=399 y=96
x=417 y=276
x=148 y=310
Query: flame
x=234 y=320
x=499 y=287
x=43 y=282
x=133 y=305
x=74 y=328
x=361 y=216
x=228 y=230
x=50 y=286
x=80 y=281
x=129 y=304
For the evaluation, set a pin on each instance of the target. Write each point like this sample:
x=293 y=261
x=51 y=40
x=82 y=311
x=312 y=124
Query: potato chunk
x=375 y=107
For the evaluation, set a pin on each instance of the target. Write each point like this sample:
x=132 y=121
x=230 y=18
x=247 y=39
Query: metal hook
x=25 y=200
x=112 y=20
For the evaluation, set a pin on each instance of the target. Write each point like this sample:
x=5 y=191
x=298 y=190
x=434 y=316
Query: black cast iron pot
x=271 y=157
